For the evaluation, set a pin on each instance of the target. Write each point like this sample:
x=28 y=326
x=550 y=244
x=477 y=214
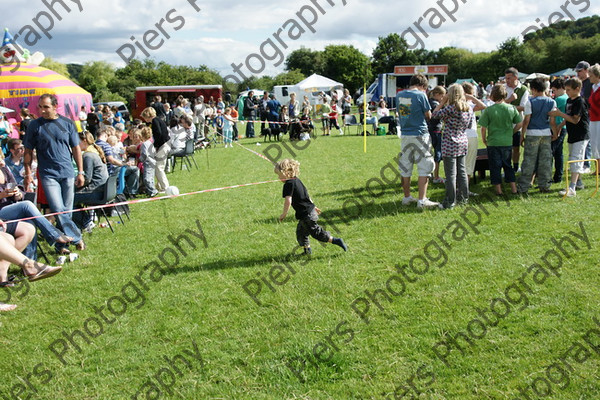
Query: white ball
x=172 y=191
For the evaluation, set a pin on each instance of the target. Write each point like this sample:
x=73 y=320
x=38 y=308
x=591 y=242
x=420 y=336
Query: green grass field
x=191 y=331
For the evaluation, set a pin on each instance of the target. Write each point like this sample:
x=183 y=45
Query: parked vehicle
x=388 y=85
x=120 y=106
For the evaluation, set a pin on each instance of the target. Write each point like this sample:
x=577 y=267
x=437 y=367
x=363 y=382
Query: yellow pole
x=365 y=116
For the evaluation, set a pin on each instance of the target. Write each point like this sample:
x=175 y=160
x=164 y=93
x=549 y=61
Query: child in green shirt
x=497 y=132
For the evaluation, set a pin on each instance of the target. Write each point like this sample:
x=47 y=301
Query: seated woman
x=284 y=120
x=9 y=254
x=371 y=119
x=180 y=134
x=12 y=207
x=383 y=115
x=96 y=175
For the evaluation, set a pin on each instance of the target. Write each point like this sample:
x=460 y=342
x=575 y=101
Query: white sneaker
x=408 y=200
x=88 y=228
x=569 y=193
x=426 y=203
x=439 y=180
x=586 y=170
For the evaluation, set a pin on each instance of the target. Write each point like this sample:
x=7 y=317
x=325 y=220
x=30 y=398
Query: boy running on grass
x=577 y=121
x=296 y=195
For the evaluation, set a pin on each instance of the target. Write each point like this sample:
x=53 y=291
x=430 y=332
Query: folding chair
x=189 y=155
x=350 y=120
x=110 y=193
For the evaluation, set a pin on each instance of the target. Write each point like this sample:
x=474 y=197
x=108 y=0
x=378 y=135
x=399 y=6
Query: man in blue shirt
x=56 y=141
x=413 y=112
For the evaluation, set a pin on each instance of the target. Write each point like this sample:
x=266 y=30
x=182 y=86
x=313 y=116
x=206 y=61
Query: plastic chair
x=187 y=156
x=350 y=120
x=110 y=193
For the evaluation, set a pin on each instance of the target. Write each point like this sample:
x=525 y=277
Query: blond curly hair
x=288 y=168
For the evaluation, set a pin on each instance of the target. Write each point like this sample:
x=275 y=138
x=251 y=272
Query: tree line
x=547 y=50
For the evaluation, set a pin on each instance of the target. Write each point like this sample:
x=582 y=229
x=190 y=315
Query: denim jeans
x=82 y=218
x=59 y=194
x=25 y=209
x=500 y=157
x=457 y=181
x=149 y=178
x=250 y=127
x=132 y=178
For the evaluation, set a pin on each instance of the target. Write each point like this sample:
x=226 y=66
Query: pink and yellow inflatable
x=22 y=84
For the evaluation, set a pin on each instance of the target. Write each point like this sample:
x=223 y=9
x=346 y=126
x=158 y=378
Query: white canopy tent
x=318 y=83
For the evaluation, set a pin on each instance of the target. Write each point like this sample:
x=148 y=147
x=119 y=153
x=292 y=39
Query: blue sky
x=222 y=33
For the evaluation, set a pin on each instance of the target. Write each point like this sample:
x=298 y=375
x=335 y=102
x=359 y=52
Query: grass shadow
x=247 y=263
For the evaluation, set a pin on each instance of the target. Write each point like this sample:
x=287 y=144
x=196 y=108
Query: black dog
x=271 y=132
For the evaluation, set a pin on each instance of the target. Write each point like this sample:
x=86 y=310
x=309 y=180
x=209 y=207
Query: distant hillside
x=582 y=28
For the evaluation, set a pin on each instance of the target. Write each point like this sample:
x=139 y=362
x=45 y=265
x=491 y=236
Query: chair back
x=110 y=188
x=350 y=119
x=30 y=196
x=189 y=147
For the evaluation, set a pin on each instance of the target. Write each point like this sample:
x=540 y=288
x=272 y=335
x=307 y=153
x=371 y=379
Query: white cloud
x=222 y=33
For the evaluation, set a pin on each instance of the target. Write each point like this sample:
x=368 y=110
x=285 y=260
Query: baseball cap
x=582 y=65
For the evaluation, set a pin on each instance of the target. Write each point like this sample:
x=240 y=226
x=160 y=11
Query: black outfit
x=264 y=112
x=557 y=147
x=23 y=127
x=249 y=115
x=580 y=131
x=305 y=213
x=93 y=124
x=160 y=133
x=160 y=110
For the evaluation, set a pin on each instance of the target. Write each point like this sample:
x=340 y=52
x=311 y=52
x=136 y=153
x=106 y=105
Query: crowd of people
x=68 y=169
x=536 y=117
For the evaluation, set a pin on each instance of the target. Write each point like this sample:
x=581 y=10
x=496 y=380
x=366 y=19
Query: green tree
x=149 y=72
x=56 y=66
x=74 y=71
x=95 y=77
x=289 y=78
x=390 y=51
x=305 y=60
x=458 y=60
x=347 y=65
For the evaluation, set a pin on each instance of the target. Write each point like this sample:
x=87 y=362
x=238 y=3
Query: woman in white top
x=294 y=107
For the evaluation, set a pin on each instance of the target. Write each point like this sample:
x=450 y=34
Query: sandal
x=80 y=246
x=47 y=272
x=10 y=282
